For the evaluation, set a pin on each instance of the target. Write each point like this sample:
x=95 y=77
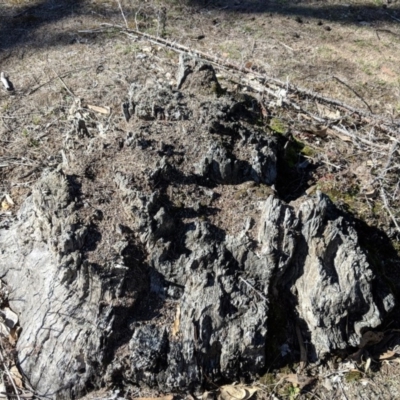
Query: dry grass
x=98 y=66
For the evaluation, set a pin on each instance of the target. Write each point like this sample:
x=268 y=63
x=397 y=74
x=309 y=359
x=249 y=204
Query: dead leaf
x=365 y=381
x=207 y=396
x=306 y=117
x=101 y=110
x=16 y=376
x=387 y=355
x=7 y=202
x=4 y=329
x=168 y=397
x=320 y=132
x=291 y=378
x=327 y=384
x=237 y=392
x=14 y=335
x=298 y=380
x=371 y=193
x=367 y=364
x=5 y=206
x=9 y=199
x=311 y=189
x=326 y=112
x=387 y=71
x=345 y=138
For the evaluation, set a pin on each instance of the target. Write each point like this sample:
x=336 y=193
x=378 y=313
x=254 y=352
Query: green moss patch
x=278 y=126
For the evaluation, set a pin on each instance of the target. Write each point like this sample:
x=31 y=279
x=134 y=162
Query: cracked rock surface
x=156 y=254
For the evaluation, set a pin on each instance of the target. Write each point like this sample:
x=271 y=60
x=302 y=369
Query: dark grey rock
x=155 y=101
x=218 y=165
x=177 y=301
x=199 y=78
x=184 y=69
x=65 y=304
x=263 y=163
x=306 y=254
x=317 y=256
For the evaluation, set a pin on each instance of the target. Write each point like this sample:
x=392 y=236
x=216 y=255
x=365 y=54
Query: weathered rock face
x=176 y=299
x=331 y=282
x=67 y=306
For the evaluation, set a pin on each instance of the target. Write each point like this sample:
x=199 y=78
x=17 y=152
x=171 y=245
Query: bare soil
x=56 y=53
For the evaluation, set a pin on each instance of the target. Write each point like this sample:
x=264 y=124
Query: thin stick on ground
x=136 y=21
x=123 y=15
x=63 y=83
x=252 y=287
x=357 y=94
x=56 y=77
x=286 y=46
x=8 y=371
x=394 y=18
x=386 y=205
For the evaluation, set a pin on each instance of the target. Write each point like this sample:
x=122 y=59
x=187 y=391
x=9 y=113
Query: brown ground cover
x=58 y=52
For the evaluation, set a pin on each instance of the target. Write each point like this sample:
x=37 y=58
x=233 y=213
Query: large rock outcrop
x=167 y=275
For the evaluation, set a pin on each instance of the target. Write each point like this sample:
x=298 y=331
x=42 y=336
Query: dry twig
x=356 y=93
x=386 y=205
x=252 y=287
x=3 y=361
x=262 y=78
x=56 y=77
x=123 y=15
x=63 y=83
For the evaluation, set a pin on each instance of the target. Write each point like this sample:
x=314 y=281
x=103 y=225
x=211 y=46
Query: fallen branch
x=262 y=78
x=285 y=93
x=336 y=128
